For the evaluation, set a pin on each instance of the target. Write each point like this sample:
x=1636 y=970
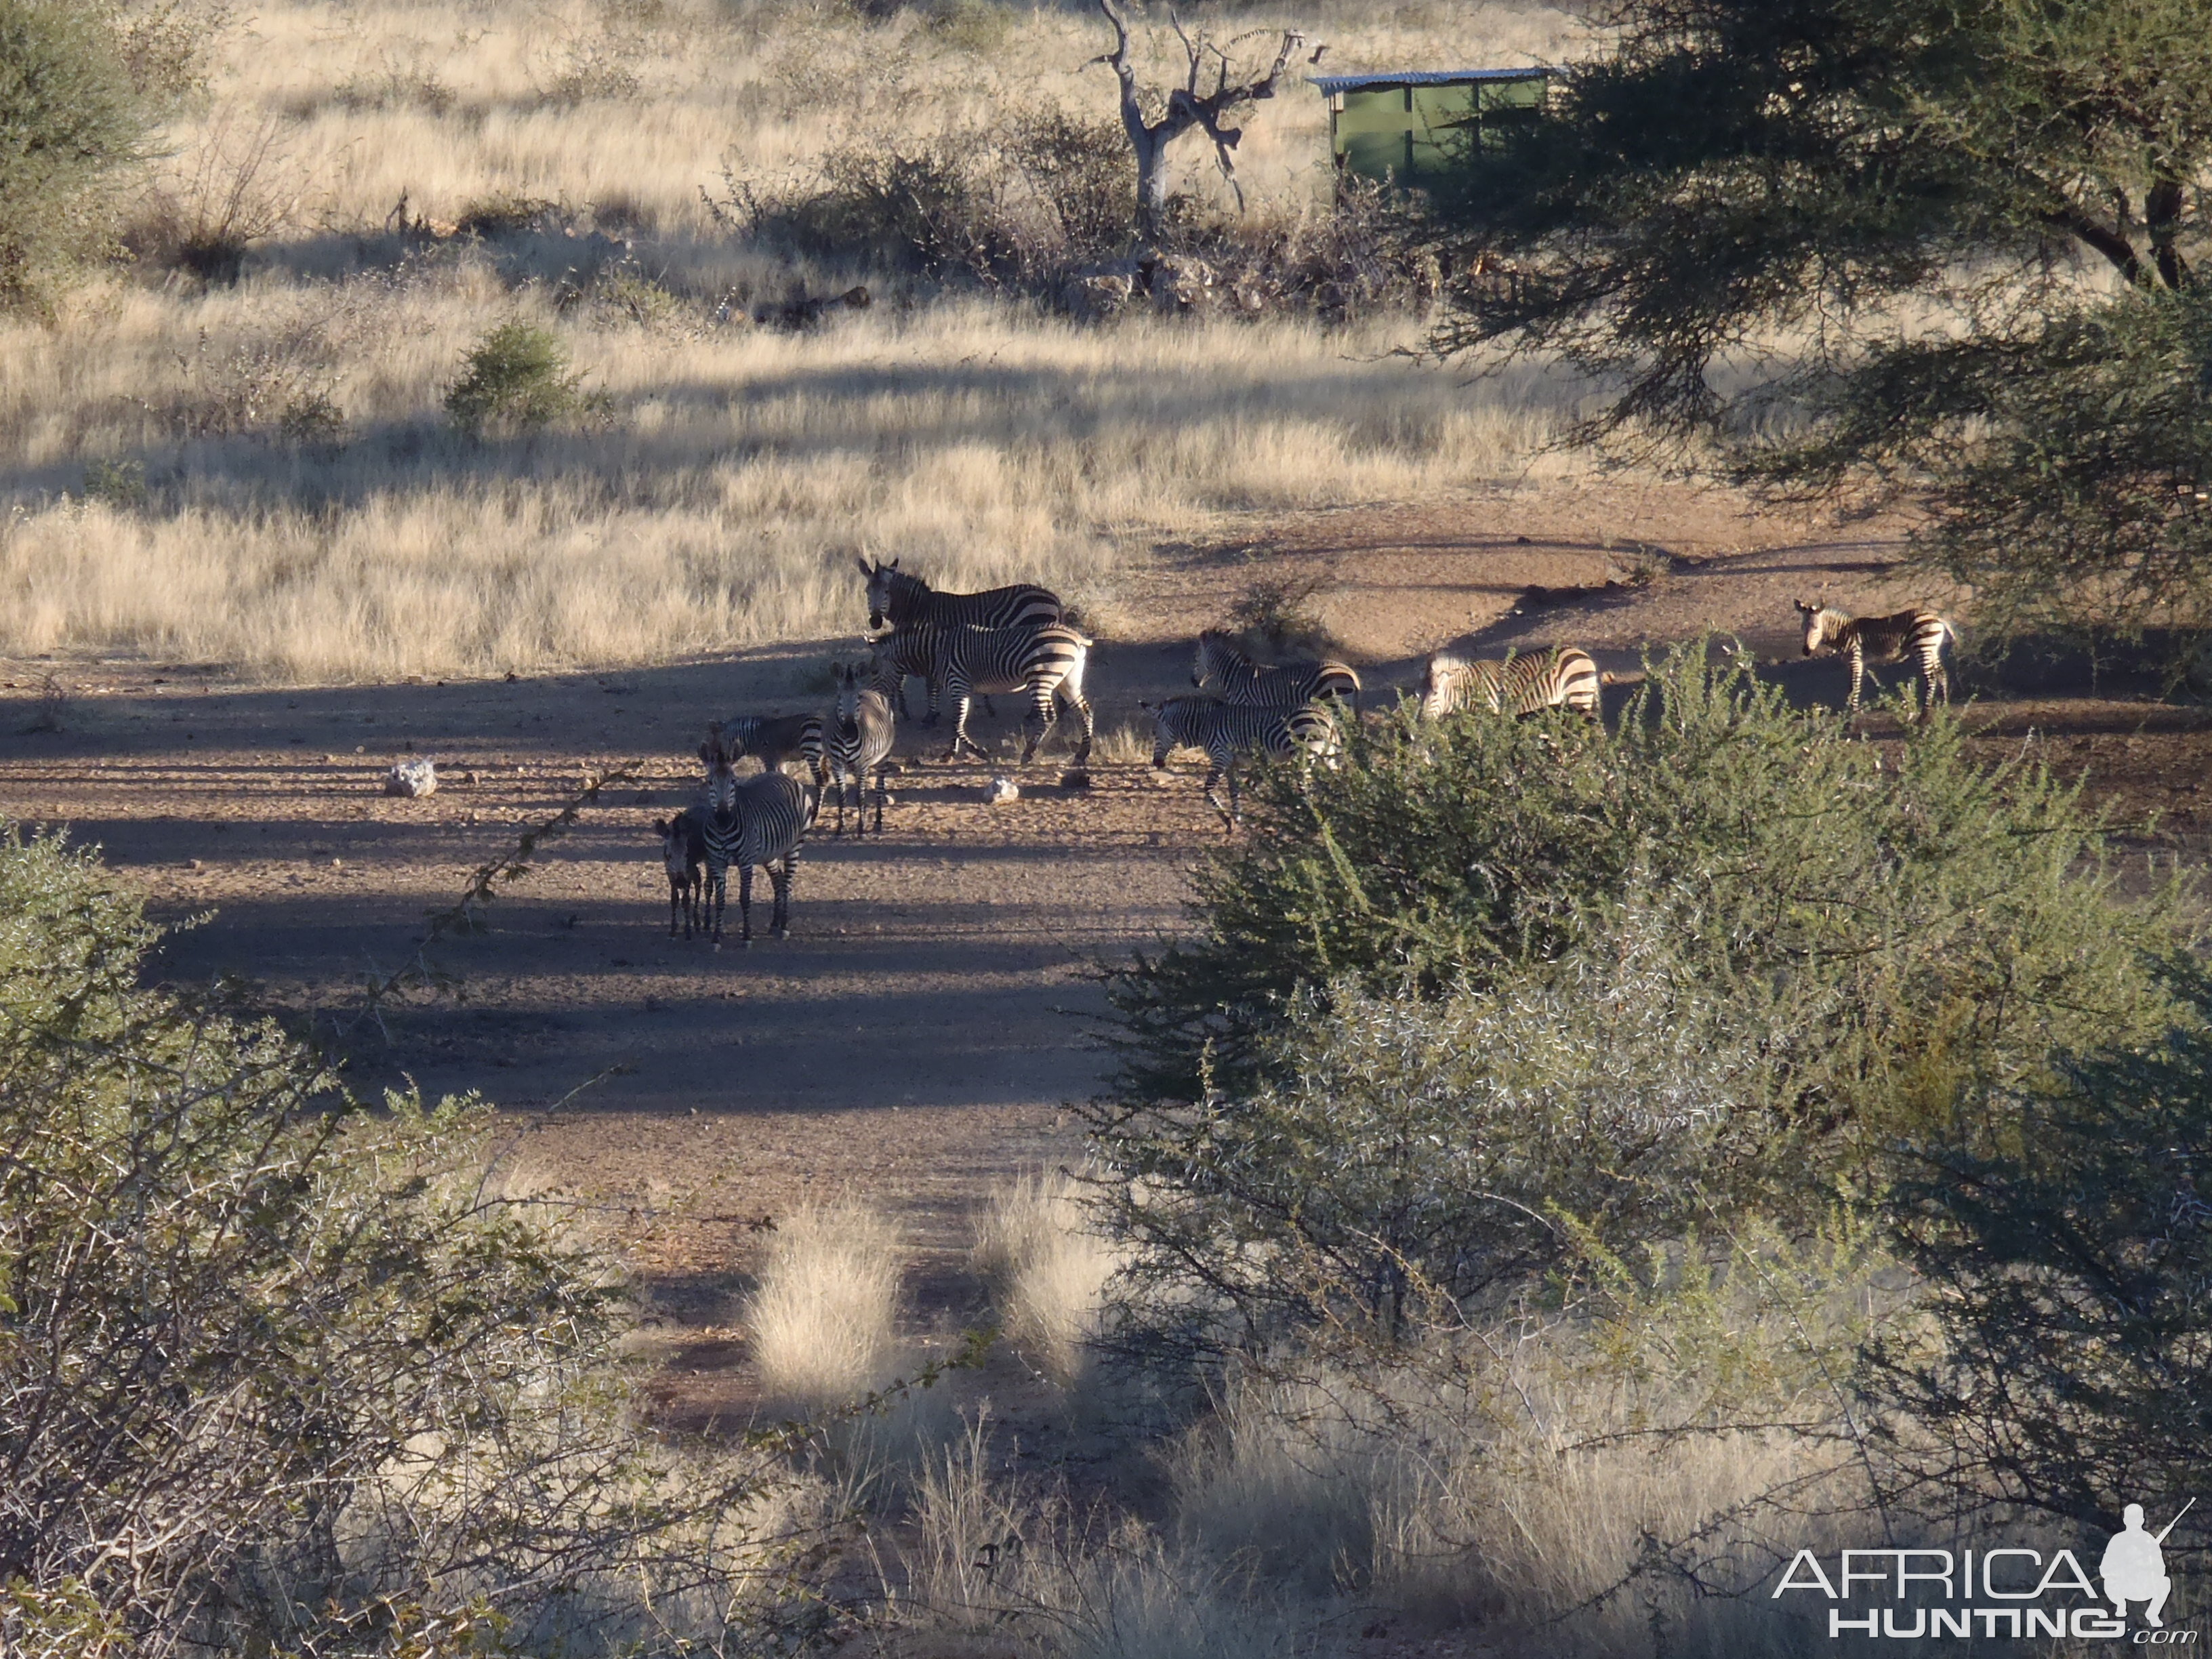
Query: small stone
x=413 y=779
x=193 y=864
x=1000 y=791
x=337 y=864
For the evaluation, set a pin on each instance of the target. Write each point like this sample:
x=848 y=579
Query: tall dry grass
x=1048 y=1267
x=824 y=1316
x=262 y=474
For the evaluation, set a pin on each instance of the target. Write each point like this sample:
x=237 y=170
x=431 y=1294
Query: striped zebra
x=754 y=821
x=1238 y=680
x=775 y=738
x=860 y=742
x=962 y=663
x=1561 y=679
x=1883 y=639
x=1226 y=729
x=683 y=851
x=897 y=600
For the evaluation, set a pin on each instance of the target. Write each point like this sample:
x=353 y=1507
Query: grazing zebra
x=1239 y=680
x=1563 y=678
x=1225 y=730
x=1047 y=662
x=775 y=738
x=754 y=821
x=859 y=744
x=1883 y=639
x=683 y=850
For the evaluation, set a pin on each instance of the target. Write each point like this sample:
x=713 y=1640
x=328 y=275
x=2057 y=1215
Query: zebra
x=1243 y=681
x=1047 y=662
x=1225 y=730
x=775 y=738
x=756 y=821
x=859 y=744
x=683 y=850
x=1883 y=639
x=898 y=600
x=1563 y=678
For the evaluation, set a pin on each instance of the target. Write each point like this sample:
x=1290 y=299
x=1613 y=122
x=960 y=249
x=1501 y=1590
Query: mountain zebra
x=1562 y=678
x=1046 y=662
x=683 y=850
x=1240 y=681
x=1225 y=730
x=1883 y=639
x=775 y=738
x=756 y=821
x=860 y=742
x=898 y=600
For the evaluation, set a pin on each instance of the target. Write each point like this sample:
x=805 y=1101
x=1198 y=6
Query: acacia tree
x=1959 y=237
x=1186 y=107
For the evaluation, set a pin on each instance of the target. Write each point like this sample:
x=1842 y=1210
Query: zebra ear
x=864 y=570
x=660 y=827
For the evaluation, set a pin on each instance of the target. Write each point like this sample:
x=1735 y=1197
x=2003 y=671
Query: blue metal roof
x=1332 y=84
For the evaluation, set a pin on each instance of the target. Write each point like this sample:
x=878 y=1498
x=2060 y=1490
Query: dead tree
x=1186 y=107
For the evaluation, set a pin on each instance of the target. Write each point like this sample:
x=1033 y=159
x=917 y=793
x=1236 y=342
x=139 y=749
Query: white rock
x=412 y=779
x=1000 y=791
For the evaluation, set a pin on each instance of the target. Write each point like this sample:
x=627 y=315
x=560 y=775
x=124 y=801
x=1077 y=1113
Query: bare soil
x=921 y=1033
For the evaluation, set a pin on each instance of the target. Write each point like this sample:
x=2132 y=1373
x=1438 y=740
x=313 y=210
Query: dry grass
x=718 y=504
x=1048 y=1269
x=823 y=1317
x=1015 y=1560
x=1545 y=1502
x=299 y=507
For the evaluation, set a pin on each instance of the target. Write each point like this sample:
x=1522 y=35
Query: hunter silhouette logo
x=2134 y=1567
x=2006 y=1592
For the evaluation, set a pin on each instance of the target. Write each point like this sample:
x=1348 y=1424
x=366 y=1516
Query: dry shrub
x=239 y=187
x=824 y=1315
x=1048 y=1267
x=1277 y=614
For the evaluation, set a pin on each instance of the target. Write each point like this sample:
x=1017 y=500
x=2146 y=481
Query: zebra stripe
x=860 y=742
x=1239 y=680
x=758 y=821
x=683 y=851
x=902 y=600
x=1226 y=729
x=775 y=738
x=1883 y=639
x=1518 y=685
x=963 y=662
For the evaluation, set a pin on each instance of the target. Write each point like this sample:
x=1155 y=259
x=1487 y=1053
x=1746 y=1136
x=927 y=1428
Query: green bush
x=1445 y=986
x=71 y=125
x=277 y=1369
x=2065 y=1235
x=1406 y=1148
x=516 y=378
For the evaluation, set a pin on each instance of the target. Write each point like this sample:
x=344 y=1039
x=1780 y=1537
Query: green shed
x=1404 y=124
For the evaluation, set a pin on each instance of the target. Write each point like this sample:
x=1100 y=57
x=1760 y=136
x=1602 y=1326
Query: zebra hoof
x=780 y=932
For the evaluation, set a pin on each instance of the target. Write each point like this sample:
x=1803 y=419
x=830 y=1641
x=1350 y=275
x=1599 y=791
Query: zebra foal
x=1224 y=731
x=1883 y=639
x=1564 y=678
x=962 y=663
x=859 y=744
x=682 y=852
x=1238 y=679
x=750 y=823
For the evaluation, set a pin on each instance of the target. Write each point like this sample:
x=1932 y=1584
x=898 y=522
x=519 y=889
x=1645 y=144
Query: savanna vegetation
x=1951 y=251
x=1565 y=1168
